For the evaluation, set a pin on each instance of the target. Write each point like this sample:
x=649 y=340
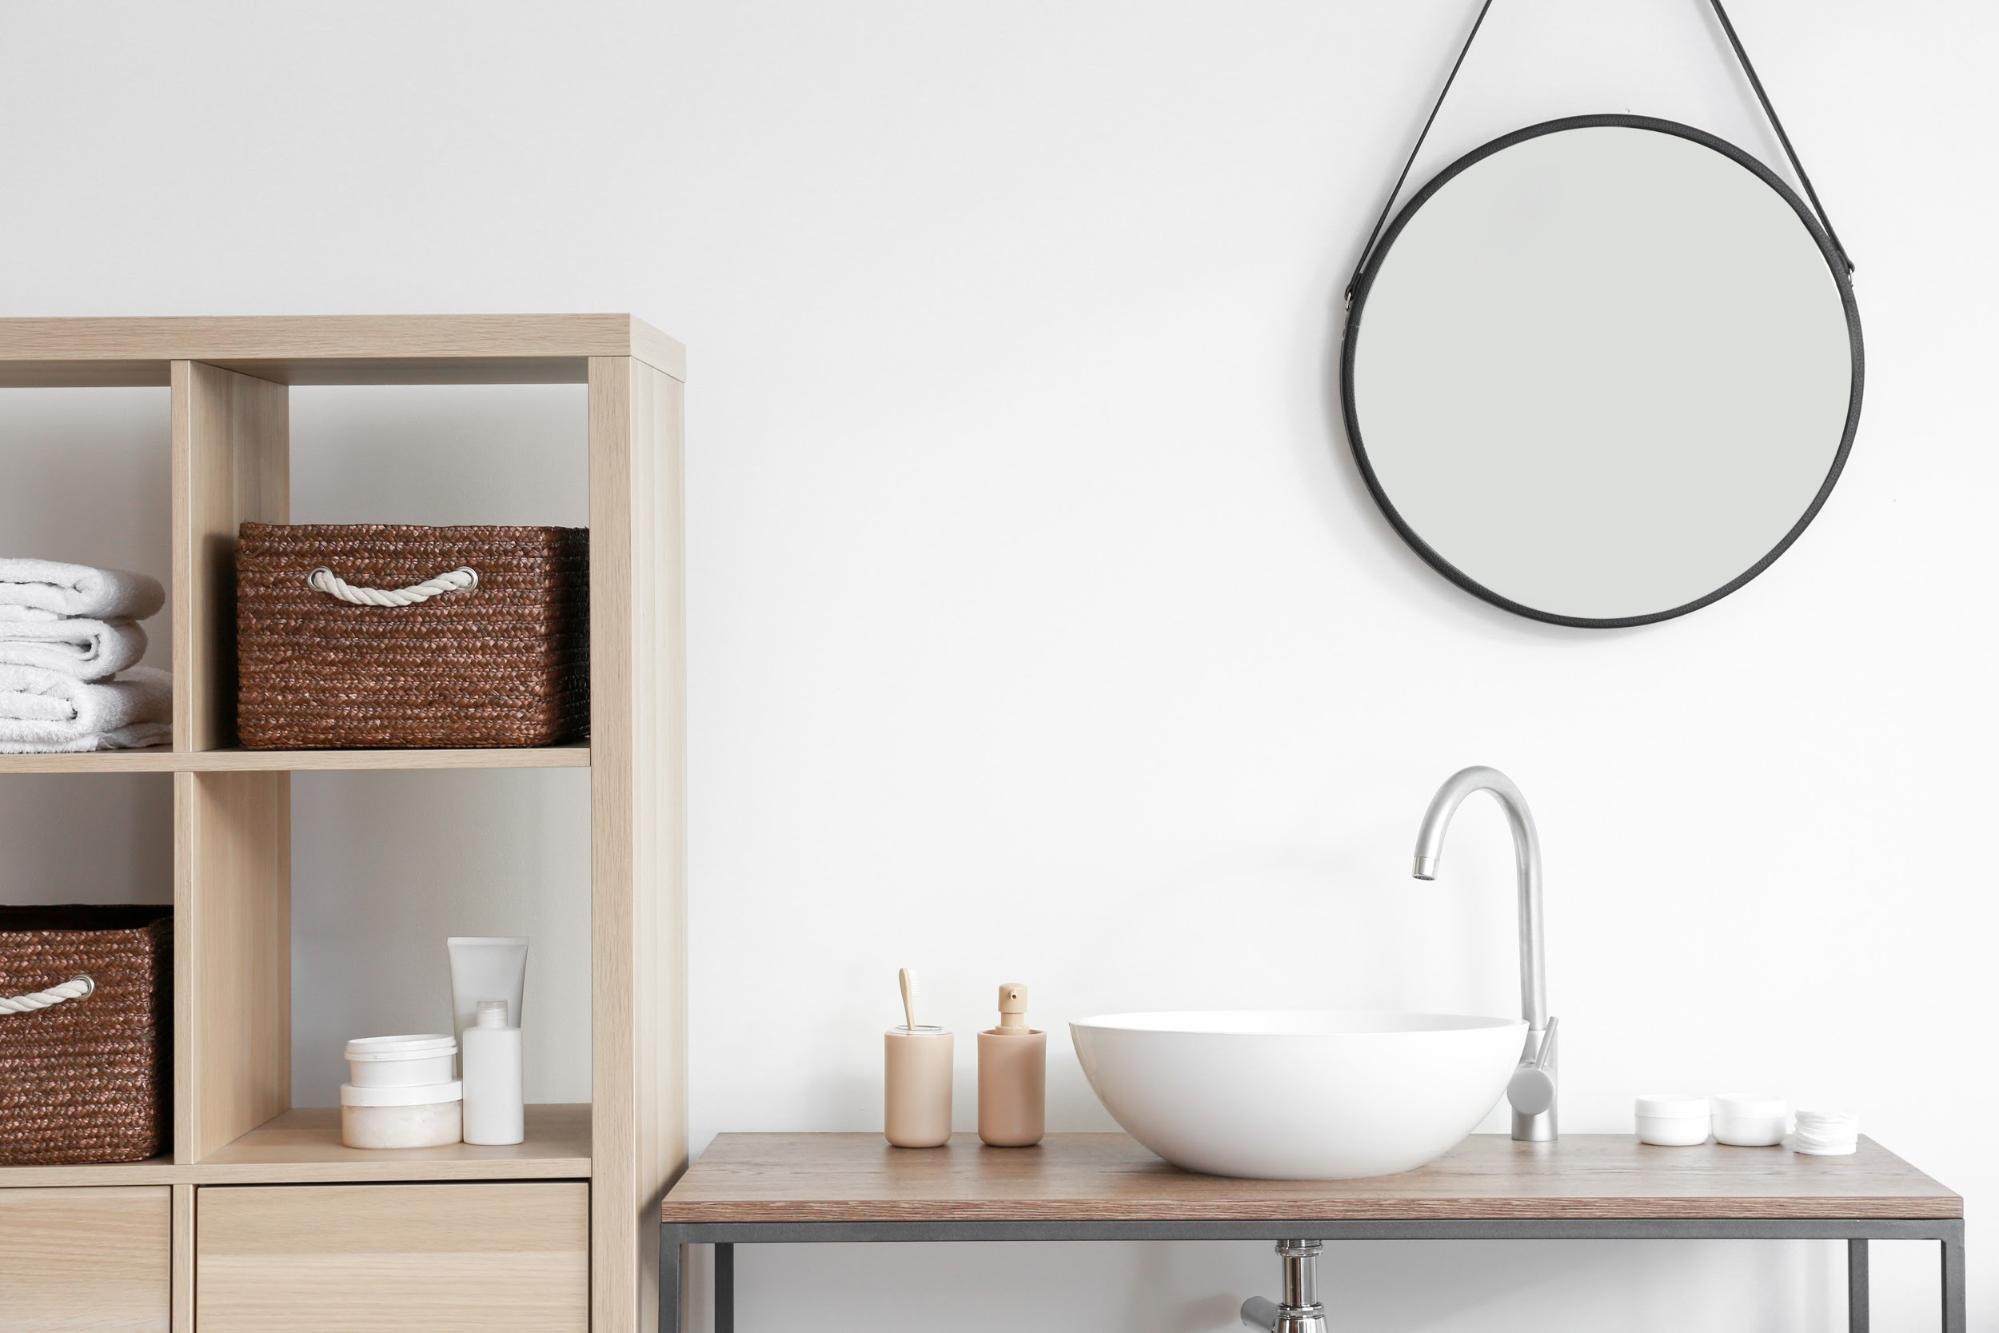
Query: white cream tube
x=486 y=967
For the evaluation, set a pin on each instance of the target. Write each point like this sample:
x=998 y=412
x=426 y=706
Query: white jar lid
x=417 y=1046
x=423 y=1094
x=1750 y=1103
x=1673 y=1106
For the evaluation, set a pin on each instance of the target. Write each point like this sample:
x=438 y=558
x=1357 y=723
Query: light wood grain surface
x=153 y=1171
x=1108 y=1177
x=232 y=956
x=294 y=761
x=110 y=761
x=183 y=1259
x=332 y=349
x=638 y=903
x=79 y=1259
x=231 y=465
x=304 y=1145
x=348 y=761
x=483 y=1258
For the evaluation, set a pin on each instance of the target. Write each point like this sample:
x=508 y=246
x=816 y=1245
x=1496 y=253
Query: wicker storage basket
x=85 y=1077
x=394 y=646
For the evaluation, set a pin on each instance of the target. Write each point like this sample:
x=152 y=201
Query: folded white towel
x=86 y=649
x=138 y=736
x=78 y=590
x=45 y=711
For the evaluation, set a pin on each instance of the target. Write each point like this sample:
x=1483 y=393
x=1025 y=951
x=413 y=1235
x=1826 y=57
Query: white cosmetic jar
x=400 y=1062
x=1672 y=1119
x=1750 y=1120
x=418 y=1117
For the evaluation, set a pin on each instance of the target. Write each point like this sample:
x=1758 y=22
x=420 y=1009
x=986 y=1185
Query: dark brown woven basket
x=505 y=663
x=90 y=1079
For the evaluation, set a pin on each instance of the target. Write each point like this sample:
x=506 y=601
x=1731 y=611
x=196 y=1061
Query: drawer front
x=86 y=1258
x=476 y=1258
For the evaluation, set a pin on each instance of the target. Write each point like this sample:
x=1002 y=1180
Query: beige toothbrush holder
x=916 y=1087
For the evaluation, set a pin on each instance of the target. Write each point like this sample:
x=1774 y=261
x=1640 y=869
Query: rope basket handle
x=464 y=578
x=76 y=988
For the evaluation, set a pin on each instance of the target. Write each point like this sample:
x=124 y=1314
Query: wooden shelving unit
x=233 y=1119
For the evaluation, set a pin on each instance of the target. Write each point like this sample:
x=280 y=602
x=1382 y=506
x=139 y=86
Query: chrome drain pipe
x=1300 y=1311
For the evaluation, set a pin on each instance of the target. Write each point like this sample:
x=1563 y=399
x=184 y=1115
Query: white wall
x=1028 y=566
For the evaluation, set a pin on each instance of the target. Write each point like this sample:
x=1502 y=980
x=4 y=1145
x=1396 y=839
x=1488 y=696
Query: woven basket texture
x=506 y=663
x=88 y=1080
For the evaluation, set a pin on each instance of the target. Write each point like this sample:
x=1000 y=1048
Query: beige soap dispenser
x=1013 y=1075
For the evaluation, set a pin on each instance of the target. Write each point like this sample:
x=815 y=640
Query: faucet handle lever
x=1546 y=1055
x=1531 y=1090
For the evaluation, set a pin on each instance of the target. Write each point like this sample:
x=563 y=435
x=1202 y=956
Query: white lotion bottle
x=491 y=1052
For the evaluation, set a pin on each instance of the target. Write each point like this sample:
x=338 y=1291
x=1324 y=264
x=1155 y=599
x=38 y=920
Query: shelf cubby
x=302 y=1146
x=234 y=1122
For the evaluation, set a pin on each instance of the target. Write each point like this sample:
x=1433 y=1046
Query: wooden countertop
x=1108 y=1177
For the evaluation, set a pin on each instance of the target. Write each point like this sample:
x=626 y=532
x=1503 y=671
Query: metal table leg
x=671 y=1268
x=1953 y=1278
x=1856 y=1287
x=725 y=1288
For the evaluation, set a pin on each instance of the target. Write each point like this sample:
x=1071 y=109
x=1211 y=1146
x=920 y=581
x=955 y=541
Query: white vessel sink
x=1298 y=1094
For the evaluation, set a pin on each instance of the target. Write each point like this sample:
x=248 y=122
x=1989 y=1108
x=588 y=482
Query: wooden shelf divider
x=295 y=761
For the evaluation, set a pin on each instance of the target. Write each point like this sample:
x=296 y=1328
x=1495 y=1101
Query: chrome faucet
x=1531 y=1091
x=1533 y=1088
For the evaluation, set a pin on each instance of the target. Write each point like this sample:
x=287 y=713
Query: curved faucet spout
x=1538 y=1052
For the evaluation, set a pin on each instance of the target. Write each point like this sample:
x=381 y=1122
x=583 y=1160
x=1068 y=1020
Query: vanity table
x=849 y=1188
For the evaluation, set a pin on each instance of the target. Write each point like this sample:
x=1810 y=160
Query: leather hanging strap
x=1782 y=138
x=1742 y=58
x=1388 y=206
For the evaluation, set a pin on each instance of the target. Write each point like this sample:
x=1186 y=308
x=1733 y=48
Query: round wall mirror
x=1602 y=371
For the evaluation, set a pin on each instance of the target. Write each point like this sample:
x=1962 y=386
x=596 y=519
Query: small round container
x=1826 y=1133
x=400 y=1062
x=1750 y=1120
x=1672 y=1119
x=415 y=1117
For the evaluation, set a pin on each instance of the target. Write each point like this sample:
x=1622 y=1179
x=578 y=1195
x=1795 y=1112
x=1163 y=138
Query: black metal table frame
x=1856 y=1232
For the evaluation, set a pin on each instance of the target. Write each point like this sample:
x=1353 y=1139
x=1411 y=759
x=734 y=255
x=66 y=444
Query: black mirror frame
x=1349 y=340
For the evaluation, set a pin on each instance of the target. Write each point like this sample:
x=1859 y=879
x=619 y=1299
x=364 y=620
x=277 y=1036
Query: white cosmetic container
x=1750 y=1120
x=412 y=1117
x=1672 y=1119
x=1826 y=1133
x=486 y=967
x=493 y=1110
x=400 y=1062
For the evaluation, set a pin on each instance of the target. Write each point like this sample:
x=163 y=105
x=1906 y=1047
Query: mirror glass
x=1602 y=371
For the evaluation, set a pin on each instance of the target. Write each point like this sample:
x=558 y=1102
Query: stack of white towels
x=66 y=634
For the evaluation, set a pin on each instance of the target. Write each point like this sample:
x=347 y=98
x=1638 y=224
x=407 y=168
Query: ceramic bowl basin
x=1298 y=1094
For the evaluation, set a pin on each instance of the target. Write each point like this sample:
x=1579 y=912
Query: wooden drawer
x=473 y=1258
x=86 y=1258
